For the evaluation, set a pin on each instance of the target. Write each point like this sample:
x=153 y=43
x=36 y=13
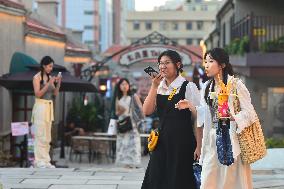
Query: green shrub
x=244 y=45
x=273 y=45
x=269 y=46
x=83 y=115
x=274 y=143
x=238 y=46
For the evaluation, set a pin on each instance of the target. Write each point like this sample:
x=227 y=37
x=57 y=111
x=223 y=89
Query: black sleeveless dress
x=170 y=165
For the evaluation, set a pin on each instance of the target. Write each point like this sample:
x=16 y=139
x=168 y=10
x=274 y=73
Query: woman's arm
x=150 y=101
x=36 y=84
x=247 y=115
x=149 y=105
x=192 y=99
x=198 y=136
x=193 y=96
x=56 y=89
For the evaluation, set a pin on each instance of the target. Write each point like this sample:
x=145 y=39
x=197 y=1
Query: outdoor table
x=110 y=140
x=98 y=138
x=142 y=135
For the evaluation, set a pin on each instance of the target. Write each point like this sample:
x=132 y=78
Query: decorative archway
x=146 y=48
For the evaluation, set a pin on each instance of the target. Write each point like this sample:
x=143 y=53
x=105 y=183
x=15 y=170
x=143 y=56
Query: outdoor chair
x=79 y=147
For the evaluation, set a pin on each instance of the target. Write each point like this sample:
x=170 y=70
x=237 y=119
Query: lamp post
x=204 y=49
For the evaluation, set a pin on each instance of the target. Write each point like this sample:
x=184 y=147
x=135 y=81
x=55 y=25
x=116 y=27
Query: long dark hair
x=119 y=93
x=221 y=57
x=175 y=58
x=46 y=60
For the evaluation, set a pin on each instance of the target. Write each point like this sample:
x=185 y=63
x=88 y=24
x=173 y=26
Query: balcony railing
x=259 y=29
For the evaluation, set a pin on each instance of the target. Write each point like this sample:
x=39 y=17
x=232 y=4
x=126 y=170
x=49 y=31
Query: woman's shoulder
x=37 y=76
x=205 y=84
x=238 y=82
x=190 y=84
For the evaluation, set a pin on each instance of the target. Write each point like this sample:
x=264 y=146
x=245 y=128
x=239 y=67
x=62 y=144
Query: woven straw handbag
x=251 y=139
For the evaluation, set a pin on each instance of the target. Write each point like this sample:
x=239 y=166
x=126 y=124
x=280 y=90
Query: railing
x=259 y=29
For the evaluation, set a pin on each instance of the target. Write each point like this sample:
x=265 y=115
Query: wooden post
x=62 y=126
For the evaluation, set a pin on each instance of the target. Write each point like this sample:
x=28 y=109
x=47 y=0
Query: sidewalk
x=267 y=173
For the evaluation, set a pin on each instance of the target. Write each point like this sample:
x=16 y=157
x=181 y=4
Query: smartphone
x=151 y=71
x=59 y=74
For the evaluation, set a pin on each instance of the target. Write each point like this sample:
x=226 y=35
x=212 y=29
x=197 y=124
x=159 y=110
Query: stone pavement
x=109 y=176
x=269 y=171
x=71 y=178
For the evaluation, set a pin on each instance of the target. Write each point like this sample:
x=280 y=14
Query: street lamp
x=204 y=49
x=103 y=85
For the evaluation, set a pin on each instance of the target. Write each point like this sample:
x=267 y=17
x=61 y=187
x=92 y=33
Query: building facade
x=202 y=5
x=184 y=27
x=35 y=34
x=106 y=24
x=12 y=15
x=102 y=21
x=81 y=15
x=130 y=60
x=120 y=10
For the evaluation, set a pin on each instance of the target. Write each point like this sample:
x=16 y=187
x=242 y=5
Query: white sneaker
x=41 y=165
x=50 y=166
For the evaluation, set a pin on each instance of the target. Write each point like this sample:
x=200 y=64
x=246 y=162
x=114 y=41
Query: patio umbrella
x=23 y=81
x=56 y=67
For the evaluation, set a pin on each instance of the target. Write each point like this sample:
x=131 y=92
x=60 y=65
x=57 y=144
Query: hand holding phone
x=151 y=71
x=155 y=76
x=58 y=78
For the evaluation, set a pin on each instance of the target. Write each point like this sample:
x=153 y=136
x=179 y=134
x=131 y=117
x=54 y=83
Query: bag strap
x=169 y=103
x=130 y=103
x=236 y=102
x=183 y=88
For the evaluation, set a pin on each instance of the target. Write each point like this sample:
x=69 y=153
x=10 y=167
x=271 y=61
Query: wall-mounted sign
x=146 y=53
x=259 y=31
x=19 y=128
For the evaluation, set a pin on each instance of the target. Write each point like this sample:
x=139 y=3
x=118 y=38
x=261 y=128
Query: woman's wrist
x=198 y=146
x=46 y=86
x=191 y=107
x=154 y=87
x=58 y=85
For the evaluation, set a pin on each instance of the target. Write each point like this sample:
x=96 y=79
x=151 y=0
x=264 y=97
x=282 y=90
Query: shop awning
x=24 y=67
x=20 y=61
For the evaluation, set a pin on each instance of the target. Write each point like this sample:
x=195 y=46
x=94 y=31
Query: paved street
x=108 y=176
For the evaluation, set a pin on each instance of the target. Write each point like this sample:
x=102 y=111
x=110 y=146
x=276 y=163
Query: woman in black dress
x=170 y=165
